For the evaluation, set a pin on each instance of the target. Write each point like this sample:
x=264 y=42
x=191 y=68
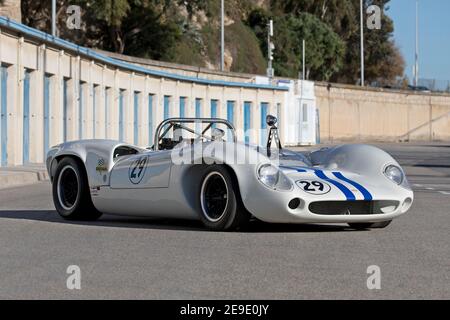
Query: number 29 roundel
x=137 y=170
x=314 y=186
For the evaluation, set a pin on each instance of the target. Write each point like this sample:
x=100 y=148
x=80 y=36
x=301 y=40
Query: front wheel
x=370 y=225
x=220 y=204
x=71 y=192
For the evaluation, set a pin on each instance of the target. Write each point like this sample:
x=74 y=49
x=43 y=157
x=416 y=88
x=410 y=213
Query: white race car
x=187 y=175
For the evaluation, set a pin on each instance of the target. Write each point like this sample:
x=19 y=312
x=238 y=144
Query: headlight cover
x=394 y=173
x=273 y=178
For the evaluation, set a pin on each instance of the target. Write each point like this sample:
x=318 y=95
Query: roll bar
x=171 y=122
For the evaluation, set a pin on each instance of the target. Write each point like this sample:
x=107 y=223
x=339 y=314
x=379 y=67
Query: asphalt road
x=134 y=258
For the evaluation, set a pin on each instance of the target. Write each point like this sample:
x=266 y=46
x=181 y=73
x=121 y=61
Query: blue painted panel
x=47 y=95
x=182 y=106
x=166 y=107
x=94 y=107
x=150 y=118
x=121 y=122
x=136 y=118
x=26 y=117
x=65 y=106
x=263 y=133
x=198 y=112
x=247 y=117
x=106 y=112
x=4 y=115
x=213 y=108
x=198 y=108
x=80 y=110
x=213 y=111
x=230 y=117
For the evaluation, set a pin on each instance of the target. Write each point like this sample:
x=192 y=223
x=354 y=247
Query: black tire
x=370 y=225
x=70 y=190
x=220 y=204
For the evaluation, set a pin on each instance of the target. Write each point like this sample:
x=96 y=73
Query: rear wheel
x=71 y=192
x=370 y=225
x=220 y=204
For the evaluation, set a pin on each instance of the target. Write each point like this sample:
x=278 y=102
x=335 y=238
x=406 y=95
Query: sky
x=434 y=36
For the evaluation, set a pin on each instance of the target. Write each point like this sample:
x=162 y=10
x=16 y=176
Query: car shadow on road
x=115 y=221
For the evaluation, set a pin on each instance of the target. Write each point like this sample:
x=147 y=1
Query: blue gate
x=136 y=118
x=263 y=134
x=121 y=124
x=4 y=115
x=213 y=111
x=65 y=106
x=106 y=112
x=166 y=107
x=247 y=117
x=46 y=113
x=230 y=117
x=80 y=110
x=150 y=118
x=26 y=118
x=94 y=109
x=198 y=113
x=182 y=106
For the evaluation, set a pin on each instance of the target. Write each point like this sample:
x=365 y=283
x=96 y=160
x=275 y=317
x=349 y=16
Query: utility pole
x=270 y=48
x=54 y=18
x=222 y=36
x=362 y=42
x=416 y=57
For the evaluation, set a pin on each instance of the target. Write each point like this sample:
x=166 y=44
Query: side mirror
x=271 y=120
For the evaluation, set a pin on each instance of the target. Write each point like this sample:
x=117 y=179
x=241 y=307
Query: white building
x=53 y=91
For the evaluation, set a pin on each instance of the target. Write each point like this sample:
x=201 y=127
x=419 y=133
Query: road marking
x=445 y=193
x=429 y=188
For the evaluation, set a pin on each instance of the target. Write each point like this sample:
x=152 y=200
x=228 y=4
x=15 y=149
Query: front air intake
x=353 y=207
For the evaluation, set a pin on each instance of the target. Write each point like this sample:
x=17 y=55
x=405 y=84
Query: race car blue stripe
x=348 y=194
x=364 y=191
x=293 y=168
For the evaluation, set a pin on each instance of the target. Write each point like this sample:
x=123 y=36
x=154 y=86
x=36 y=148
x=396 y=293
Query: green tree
x=383 y=61
x=324 y=49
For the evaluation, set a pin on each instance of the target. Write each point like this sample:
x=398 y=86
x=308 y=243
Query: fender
x=96 y=155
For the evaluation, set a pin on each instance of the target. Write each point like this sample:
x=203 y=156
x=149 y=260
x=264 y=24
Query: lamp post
x=222 y=36
x=270 y=48
x=362 y=42
x=54 y=18
x=416 y=56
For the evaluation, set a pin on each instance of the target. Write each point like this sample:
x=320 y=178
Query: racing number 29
x=312 y=186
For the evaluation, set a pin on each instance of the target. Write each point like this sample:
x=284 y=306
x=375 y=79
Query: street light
x=362 y=43
x=54 y=18
x=222 y=36
x=416 y=64
x=270 y=48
